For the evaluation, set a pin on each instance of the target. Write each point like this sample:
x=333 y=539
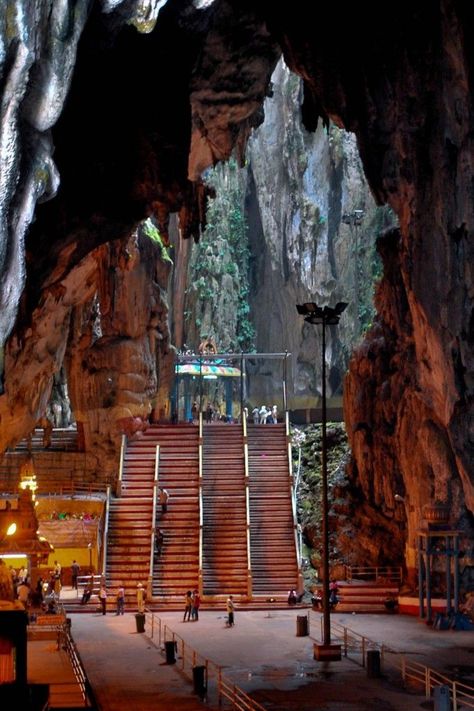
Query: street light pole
x=325 y=507
x=322 y=316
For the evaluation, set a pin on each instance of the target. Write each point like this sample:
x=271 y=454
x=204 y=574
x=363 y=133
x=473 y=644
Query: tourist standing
x=120 y=601
x=75 y=568
x=188 y=605
x=23 y=593
x=230 y=607
x=103 y=598
x=196 y=604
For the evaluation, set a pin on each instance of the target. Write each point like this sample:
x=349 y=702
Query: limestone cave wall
x=107 y=325
x=303 y=192
x=117 y=120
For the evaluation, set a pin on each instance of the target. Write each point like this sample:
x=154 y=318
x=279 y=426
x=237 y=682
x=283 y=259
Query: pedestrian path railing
x=105 y=533
x=247 y=507
x=68 y=644
x=201 y=509
x=353 y=644
x=216 y=684
x=377 y=574
x=418 y=676
x=414 y=674
x=123 y=447
x=153 y=537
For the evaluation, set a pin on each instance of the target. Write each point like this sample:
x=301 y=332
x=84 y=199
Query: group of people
x=45 y=592
x=119 y=596
x=192 y=603
x=262 y=415
x=265 y=415
x=317 y=599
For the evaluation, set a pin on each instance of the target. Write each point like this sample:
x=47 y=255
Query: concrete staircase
x=130 y=520
x=225 y=563
x=272 y=539
x=365 y=597
x=176 y=569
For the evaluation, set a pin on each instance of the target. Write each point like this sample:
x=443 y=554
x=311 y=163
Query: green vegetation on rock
x=151 y=231
x=219 y=287
x=307 y=449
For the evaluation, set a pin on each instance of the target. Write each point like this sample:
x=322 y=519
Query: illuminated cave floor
x=263 y=655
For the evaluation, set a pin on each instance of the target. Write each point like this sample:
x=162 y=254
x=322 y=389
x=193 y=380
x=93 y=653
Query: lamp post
x=324 y=316
x=10 y=531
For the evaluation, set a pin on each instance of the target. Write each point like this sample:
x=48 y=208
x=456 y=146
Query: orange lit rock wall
x=146 y=113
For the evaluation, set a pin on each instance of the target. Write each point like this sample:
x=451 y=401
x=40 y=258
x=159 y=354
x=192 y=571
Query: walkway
x=262 y=655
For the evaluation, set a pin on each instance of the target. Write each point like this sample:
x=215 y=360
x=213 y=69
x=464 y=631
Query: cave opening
x=147 y=113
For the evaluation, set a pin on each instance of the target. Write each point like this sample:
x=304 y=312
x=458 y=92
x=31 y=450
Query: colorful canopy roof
x=206 y=369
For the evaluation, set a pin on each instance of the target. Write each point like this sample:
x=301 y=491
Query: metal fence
x=414 y=675
x=217 y=686
x=378 y=574
x=70 y=647
x=353 y=644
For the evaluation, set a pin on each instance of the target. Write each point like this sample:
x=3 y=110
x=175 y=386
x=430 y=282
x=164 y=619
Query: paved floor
x=263 y=655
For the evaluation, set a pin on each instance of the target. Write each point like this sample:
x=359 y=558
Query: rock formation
x=146 y=113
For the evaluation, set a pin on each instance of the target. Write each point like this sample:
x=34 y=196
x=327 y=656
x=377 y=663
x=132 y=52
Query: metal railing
x=54 y=484
x=201 y=514
x=353 y=644
x=247 y=508
x=153 y=522
x=123 y=447
x=105 y=532
x=415 y=674
x=78 y=669
x=293 y=499
x=379 y=574
x=216 y=683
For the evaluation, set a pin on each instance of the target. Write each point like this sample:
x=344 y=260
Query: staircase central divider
x=293 y=500
x=201 y=522
x=247 y=506
x=106 y=532
x=153 y=522
x=123 y=446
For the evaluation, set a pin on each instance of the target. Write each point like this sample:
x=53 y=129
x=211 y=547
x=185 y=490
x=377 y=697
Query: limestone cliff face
x=304 y=189
x=399 y=443
x=403 y=87
x=107 y=323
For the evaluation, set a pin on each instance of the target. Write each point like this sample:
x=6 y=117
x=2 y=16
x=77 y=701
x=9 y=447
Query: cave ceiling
x=107 y=119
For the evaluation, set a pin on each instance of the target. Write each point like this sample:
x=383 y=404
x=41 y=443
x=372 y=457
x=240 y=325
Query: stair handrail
x=247 y=508
x=293 y=499
x=153 y=521
x=106 y=531
x=201 y=520
x=123 y=446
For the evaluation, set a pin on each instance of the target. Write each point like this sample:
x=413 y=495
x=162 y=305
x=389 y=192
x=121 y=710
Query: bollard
x=170 y=648
x=140 y=621
x=302 y=626
x=199 y=681
x=373 y=664
x=442 y=699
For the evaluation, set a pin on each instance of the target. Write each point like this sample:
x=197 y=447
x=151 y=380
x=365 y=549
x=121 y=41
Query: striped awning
x=206 y=369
